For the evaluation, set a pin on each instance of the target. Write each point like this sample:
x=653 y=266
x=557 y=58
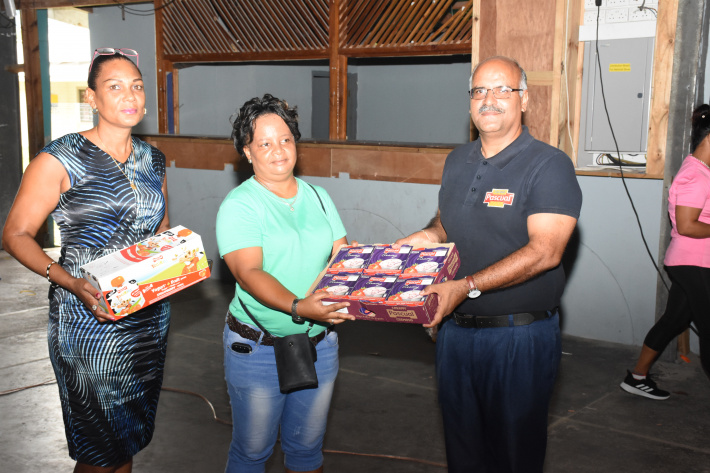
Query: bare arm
x=338 y=243
x=42 y=184
x=433 y=233
x=687 y=223
x=548 y=236
x=246 y=266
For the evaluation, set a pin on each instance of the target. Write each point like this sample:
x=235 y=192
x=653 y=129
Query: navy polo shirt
x=485 y=204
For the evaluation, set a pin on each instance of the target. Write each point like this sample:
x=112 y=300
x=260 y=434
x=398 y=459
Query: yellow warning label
x=619 y=67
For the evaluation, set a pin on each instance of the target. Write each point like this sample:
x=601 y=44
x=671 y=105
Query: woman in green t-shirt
x=276 y=233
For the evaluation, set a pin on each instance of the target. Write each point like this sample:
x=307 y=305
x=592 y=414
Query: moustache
x=490 y=108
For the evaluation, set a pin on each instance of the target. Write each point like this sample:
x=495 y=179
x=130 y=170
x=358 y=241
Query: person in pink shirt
x=687 y=262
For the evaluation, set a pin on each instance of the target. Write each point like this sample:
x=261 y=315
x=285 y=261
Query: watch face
x=473 y=293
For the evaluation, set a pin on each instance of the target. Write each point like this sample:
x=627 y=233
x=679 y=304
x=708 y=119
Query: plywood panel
x=537 y=117
x=487 y=40
x=196 y=153
x=525 y=30
x=313 y=161
x=380 y=164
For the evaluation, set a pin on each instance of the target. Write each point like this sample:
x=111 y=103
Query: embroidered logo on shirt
x=499 y=198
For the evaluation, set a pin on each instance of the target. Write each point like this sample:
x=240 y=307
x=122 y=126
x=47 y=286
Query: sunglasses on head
x=113 y=51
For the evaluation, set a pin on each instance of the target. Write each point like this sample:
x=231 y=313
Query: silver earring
x=145 y=111
x=249 y=161
x=94 y=111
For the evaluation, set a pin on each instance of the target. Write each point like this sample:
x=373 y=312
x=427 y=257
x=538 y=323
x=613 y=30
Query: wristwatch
x=294 y=316
x=473 y=291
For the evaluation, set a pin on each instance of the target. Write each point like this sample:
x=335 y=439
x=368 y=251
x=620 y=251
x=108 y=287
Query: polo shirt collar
x=502 y=159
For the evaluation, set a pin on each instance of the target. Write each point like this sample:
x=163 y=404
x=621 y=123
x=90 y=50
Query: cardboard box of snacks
x=150 y=270
x=391 y=295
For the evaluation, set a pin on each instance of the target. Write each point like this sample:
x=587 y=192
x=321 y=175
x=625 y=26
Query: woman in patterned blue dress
x=106 y=190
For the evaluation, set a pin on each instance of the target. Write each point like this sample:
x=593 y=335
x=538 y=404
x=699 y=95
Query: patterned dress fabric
x=109 y=374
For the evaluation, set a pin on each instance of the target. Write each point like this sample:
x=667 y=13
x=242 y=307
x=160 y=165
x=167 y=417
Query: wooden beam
x=662 y=79
x=163 y=66
x=43 y=4
x=338 y=77
x=570 y=81
x=176 y=100
x=558 y=41
x=542 y=77
x=33 y=82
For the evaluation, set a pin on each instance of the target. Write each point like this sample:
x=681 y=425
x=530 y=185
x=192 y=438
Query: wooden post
x=662 y=79
x=338 y=77
x=33 y=82
x=163 y=67
x=570 y=78
x=684 y=344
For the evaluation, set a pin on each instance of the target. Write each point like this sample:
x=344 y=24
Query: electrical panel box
x=626 y=67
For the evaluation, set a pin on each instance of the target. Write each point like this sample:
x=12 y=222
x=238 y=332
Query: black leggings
x=688 y=301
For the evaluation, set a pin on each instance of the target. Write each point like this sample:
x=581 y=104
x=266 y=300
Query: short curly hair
x=243 y=123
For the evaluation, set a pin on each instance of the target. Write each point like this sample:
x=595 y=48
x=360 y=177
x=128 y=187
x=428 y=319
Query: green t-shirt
x=296 y=244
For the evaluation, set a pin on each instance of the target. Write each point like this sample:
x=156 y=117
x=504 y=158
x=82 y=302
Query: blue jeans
x=495 y=386
x=259 y=408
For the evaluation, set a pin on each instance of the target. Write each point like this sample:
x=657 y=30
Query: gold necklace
x=702 y=162
x=130 y=181
x=281 y=199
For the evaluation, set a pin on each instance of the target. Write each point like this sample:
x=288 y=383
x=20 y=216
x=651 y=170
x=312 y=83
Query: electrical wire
x=226 y=422
x=618 y=153
x=17 y=390
x=10 y=21
x=617 y=162
x=139 y=12
x=643 y=7
x=621 y=169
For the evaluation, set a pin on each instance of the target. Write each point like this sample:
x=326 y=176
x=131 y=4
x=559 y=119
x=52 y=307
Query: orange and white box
x=150 y=270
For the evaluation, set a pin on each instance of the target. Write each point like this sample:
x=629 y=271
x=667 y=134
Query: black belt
x=249 y=333
x=509 y=320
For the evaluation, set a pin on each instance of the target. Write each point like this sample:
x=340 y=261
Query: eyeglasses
x=112 y=51
x=500 y=92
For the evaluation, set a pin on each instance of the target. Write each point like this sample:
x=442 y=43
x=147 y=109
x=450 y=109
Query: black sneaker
x=643 y=387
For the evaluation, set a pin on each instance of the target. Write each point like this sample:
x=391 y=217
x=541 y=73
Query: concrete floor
x=384 y=403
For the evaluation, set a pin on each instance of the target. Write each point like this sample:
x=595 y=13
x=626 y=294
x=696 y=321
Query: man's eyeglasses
x=112 y=51
x=501 y=92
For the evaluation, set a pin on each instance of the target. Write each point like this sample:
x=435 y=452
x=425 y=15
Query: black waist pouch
x=295 y=359
x=295 y=362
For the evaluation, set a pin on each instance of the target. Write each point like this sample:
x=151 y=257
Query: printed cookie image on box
x=351 y=259
x=373 y=288
x=425 y=262
x=408 y=291
x=387 y=260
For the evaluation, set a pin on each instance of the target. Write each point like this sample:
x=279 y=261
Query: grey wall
x=434 y=93
x=10 y=151
x=109 y=30
x=610 y=293
x=611 y=286
x=421 y=103
x=209 y=95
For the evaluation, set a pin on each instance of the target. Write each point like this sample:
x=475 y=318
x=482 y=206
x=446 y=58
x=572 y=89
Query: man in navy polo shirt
x=510 y=203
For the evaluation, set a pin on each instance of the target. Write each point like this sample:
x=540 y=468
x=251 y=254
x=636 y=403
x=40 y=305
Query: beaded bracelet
x=49 y=266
